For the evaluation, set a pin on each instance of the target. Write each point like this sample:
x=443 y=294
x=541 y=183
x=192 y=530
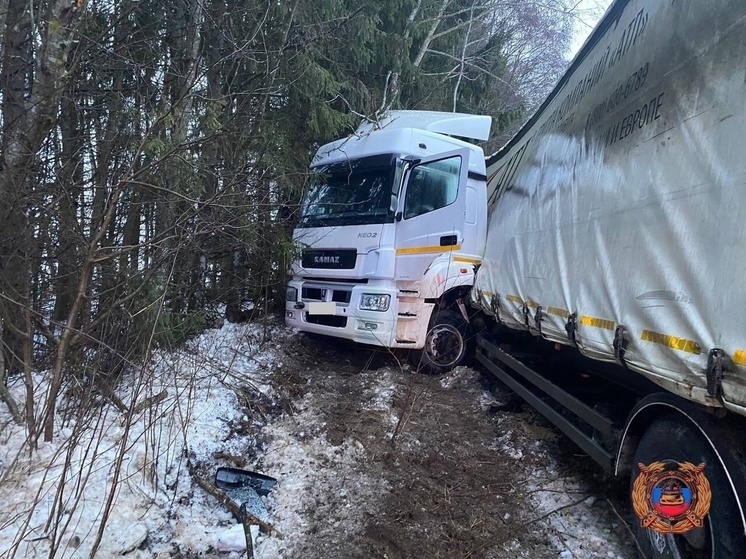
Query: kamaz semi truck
x=595 y=265
x=392 y=229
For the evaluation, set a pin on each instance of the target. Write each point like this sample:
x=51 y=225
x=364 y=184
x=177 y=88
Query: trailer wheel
x=722 y=536
x=448 y=344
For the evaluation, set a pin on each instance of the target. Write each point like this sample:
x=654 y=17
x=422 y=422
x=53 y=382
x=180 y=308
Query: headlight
x=374 y=302
x=291 y=294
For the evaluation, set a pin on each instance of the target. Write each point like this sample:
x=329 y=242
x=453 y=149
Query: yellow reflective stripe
x=467 y=259
x=674 y=342
x=597 y=322
x=739 y=357
x=558 y=312
x=515 y=299
x=426 y=249
x=532 y=304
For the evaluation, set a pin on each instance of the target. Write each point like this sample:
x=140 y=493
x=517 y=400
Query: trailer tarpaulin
x=618 y=213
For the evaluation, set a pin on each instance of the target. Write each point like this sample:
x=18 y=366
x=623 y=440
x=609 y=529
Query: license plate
x=322 y=308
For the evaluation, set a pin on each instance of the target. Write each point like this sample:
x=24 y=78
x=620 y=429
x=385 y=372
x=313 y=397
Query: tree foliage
x=152 y=152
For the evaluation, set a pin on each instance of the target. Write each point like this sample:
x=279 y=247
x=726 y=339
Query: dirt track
x=428 y=466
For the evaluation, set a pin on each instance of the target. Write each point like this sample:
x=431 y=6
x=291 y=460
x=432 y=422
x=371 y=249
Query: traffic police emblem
x=671 y=497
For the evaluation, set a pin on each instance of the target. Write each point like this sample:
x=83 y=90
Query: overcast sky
x=588 y=12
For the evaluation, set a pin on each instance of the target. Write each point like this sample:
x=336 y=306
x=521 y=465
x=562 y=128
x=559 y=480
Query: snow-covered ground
x=56 y=497
x=116 y=484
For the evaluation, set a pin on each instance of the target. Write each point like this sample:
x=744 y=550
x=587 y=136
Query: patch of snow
x=456 y=376
x=380 y=394
x=576 y=523
x=57 y=496
x=234 y=539
x=309 y=469
x=487 y=400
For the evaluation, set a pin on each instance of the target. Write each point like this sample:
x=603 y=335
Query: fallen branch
x=551 y=512
x=408 y=408
x=627 y=526
x=7 y=398
x=516 y=529
x=5 y=395
x=150 y=402
x=108 y=393
x=241 y=514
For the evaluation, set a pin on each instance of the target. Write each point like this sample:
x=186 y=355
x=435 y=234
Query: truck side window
x=432 y=186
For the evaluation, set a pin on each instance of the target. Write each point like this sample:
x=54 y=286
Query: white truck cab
x=392 y=228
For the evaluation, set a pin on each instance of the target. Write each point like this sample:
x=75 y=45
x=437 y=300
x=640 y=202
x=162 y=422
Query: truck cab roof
x=420 y=134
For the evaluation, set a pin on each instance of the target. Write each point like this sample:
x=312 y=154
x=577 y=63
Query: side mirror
x=394 y=202
x=234 y=478
x=398 y=216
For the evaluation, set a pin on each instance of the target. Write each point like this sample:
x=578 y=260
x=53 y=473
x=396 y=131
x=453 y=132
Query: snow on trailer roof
x=474 y=127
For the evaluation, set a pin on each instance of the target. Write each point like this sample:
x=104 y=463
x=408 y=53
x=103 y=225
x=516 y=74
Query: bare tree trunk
x=69 y=329
x=391 y=95
x=16 y=68
x=462 y=63
x=5 y=396
x=32 y=77
x=28 y=381
x=69 y=241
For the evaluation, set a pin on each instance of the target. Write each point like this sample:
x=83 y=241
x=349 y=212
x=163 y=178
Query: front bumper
x=340 y=315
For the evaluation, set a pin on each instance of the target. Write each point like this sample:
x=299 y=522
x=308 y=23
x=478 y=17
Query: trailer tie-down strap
x=571 y=327
x=495 y=304
x=620 y=343
x=538 y=317
x=717 y=365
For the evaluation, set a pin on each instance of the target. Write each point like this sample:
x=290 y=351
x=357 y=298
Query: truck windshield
x=354 y=192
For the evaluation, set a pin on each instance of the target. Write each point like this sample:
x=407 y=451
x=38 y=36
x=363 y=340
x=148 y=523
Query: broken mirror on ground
x=246 y=489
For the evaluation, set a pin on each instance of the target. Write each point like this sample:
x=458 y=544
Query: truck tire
x=721 y=537
x=449 y=343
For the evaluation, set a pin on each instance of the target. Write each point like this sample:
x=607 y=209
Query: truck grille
x=325 y=320
x=322 y=294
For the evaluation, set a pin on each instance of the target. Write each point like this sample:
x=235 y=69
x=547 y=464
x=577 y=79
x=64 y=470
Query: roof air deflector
x=474 y=127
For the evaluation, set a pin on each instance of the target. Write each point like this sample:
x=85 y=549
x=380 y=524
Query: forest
x=153 y=153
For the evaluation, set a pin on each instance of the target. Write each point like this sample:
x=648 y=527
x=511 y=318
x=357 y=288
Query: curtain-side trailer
x=617 y=231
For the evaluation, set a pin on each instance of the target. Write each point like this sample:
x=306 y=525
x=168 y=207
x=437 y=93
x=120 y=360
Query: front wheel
x=721 y=536
x=448 y=344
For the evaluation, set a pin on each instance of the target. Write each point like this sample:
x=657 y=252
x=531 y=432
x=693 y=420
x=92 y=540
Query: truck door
x=431 y=212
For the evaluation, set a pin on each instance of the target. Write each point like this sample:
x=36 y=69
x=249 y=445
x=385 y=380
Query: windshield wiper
x=313 y=222
x=359 y=219
x=347 y=218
